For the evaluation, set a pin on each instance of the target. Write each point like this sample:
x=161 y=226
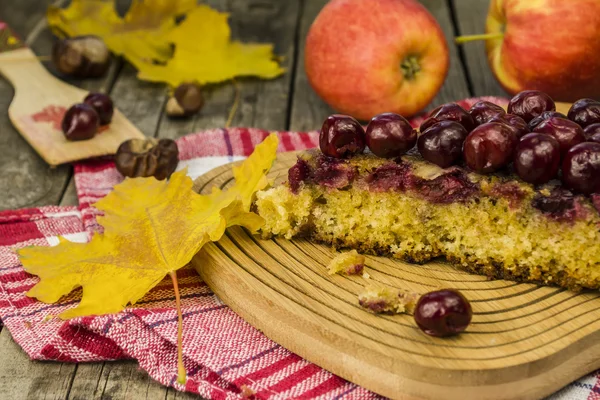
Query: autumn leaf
x=140 y=35
x=204 y=53
x=151 y=228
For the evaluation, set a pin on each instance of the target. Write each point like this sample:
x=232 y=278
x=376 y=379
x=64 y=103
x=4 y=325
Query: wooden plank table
x=284 y=103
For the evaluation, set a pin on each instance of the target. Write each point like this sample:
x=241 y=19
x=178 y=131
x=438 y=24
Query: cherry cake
x=484 y=188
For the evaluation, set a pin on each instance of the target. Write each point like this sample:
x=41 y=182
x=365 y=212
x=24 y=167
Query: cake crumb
x=366 y=275
x=247 y=392
x=387 y=300
x=349 y=263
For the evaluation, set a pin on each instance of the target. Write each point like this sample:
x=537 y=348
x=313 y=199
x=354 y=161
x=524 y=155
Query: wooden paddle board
x=40 y=102
x=525 y=341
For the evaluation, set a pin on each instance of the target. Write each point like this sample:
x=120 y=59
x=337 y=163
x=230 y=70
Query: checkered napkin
x=224 y=356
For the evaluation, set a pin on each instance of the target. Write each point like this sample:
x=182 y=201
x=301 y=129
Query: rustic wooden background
x=287 y=103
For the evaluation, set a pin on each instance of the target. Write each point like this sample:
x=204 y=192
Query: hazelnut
x=81 y=56
x=147 y=157
x=186 y=100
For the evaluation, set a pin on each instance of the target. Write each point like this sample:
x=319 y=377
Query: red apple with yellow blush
x=366 y=57
x=548 y=45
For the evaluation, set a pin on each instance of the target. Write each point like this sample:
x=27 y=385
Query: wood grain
x=455 y=86
x=470 y=18
x=22 y=379
x=525 y=341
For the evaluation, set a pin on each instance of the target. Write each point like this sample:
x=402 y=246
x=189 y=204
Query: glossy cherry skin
x=442 y=143
x=514 y=122
x=591 y=131
x=544 y=116
x=443 y=313
x=566 y=132
x=483 y=111
x=530 y=103
x=390 y=135
x=80 y=122
x=489 y=147
x=585 y=112
x=594 y=138
x=341 y=136
x=449 y=112
x=537 y=158
x=103 y=105
x=581 y=168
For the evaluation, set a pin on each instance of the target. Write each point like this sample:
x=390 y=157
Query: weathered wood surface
x=284 y=103
x=469 y=16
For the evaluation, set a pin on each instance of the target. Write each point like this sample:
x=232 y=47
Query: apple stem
x=181 y=375
x=483 y=36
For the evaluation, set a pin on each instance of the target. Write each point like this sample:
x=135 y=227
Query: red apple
x=548 y=45
x=366 y=57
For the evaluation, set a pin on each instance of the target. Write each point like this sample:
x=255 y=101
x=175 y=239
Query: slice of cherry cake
x=480 y=212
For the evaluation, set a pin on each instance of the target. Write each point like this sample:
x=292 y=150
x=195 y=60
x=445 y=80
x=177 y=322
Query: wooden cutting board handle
x=40 y=102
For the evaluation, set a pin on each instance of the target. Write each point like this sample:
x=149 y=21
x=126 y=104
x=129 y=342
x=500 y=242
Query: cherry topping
x=581 y=168
x=449 y=112
x=537 y=158
x=483 y=111
x=297 y=174
x=592 y=132
x=443 y=313
x=585 y=112
x=489 y=147
x=442 y=143
x=390 y=135
x=516 y=124
x=566 y=132
x=103 y=105
x=530 y=103
x=80 y=122
x=341 y=136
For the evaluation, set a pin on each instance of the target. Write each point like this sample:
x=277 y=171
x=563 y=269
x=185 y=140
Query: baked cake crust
x=495 y=225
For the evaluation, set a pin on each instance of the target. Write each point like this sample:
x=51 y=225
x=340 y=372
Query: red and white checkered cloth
x=224 y=355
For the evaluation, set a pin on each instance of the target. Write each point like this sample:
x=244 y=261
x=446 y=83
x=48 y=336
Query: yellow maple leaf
x=204 y=53
x=140 y=35
x=151 y=229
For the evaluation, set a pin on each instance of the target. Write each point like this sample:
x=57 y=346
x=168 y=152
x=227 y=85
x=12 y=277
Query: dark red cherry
x=80 y=122
x=483 y=111
x=341 y=136
x=544 y=116
x=390 y=135
x=585 y=112
x=591 y=131
x=514 y=122
x=594 y=138
x=581 y=168
x=537 y=158
x=297 y=174
x=442 y=143
x=566 y=132
x=530 y=103
x=449 y=112
x=103 y=105
x=443 y=313
x=489 y=147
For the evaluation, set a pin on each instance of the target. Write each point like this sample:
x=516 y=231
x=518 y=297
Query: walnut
x=147 y=157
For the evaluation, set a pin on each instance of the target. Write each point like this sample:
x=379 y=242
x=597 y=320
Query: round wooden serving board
x=524 y=342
